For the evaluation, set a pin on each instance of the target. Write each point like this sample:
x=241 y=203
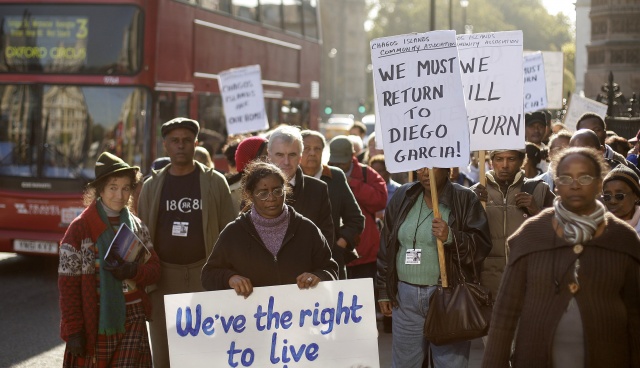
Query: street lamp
x=464 y=4
x=332 y=55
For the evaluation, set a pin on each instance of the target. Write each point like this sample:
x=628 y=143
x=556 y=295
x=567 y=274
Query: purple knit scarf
x=271 y=231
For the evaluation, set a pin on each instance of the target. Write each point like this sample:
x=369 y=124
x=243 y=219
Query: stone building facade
x=615 y=46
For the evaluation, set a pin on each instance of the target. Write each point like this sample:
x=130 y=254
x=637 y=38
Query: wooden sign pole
x=483 y=177
x=436 y=214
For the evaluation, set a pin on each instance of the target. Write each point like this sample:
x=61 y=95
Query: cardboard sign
x=492 y=75
x=243 y=100
x=331 y=325
x=535 y=87
x=578 y=106
x=419 y=101
x=554 y=76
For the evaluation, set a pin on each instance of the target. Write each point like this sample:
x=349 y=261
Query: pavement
x=384 y=350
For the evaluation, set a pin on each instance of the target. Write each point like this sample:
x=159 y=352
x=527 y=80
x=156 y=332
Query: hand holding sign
x=241 y=285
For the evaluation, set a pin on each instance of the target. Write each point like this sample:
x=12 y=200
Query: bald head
x=585 y=138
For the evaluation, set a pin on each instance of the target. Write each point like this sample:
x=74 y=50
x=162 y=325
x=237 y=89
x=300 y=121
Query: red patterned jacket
x=77 y=282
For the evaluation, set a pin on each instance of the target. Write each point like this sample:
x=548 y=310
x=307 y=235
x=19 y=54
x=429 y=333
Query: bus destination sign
x=53 y=42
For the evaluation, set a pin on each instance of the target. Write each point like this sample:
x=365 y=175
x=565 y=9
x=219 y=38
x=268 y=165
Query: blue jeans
x=408 y=344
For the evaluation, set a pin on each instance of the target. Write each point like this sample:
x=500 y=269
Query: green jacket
x=217 y=212
x=504 y=219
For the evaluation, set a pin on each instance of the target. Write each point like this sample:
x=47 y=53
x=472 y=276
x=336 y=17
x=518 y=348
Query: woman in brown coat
x=570 y=294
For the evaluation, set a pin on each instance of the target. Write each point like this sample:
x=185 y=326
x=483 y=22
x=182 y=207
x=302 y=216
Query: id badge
x=413 y=256
x=180 y=229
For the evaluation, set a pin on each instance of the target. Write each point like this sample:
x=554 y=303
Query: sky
x=561 y=6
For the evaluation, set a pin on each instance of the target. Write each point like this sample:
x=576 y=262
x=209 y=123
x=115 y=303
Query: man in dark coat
x=310 y=195
x=348 y=221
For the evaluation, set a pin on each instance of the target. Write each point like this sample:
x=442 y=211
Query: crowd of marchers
x=551 y=229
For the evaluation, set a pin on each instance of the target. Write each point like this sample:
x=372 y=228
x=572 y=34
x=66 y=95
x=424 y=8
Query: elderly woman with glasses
x=621 y=194
x=270 y=243
x=570 y=295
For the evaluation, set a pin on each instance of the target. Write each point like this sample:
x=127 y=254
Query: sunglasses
x=618 y=196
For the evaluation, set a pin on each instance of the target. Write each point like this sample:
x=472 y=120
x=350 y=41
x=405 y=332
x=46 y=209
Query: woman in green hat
x=103 y=303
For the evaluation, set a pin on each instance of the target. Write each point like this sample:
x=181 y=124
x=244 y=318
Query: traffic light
x=327 y=108
x=361 y=107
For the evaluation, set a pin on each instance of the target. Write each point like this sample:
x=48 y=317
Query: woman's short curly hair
x=589 y=153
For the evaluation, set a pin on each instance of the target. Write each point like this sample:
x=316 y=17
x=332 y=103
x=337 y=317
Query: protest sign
x=243 y=100
x=330 y=325
x=553 y=75
x=419 y=101
x=578 y=106
x=535 y=87
x=492 y=75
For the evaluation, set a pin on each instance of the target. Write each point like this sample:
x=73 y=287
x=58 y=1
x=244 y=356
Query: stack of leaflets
x=126 y=247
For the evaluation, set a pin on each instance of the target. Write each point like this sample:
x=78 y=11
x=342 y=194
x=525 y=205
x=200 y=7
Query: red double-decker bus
x=81 y=77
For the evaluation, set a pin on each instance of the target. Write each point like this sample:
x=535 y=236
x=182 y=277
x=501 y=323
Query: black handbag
x=458 y=313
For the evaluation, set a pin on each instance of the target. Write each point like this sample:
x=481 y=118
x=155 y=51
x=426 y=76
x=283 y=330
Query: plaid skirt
x=129 y=349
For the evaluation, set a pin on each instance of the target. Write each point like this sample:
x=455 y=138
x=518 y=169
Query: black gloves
x=75 y=344
x=123 y=271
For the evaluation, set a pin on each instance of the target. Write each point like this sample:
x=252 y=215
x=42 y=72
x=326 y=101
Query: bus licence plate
x=34 y=246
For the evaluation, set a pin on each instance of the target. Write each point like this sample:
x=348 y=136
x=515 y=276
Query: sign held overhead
x=419 y=101
x=243 y=100
x=492 y=75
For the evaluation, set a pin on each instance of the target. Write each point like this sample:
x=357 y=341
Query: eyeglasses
x=567 y=180
x=618 y=196
x=263 y=195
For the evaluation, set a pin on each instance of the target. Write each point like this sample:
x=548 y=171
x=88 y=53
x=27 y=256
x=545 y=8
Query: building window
x=310 y=17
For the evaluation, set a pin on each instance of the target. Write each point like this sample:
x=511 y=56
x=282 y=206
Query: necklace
x=419 y=223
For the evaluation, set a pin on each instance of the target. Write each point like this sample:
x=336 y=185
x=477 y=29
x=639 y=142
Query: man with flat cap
x=511 y=199
x=185 y=205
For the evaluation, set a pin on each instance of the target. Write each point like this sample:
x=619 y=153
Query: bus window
x=246 y=9
x=219 y=5
x=293 y=16
x=71 y=39
x=61 y=130
x=295 y=112
x=212 y=122
x=271 y=13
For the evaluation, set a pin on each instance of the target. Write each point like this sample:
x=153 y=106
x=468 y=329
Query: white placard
x=578 y=106
x=331 y=325
x=554 y=74
x=535 y=87
x=419 y=101
x=492 y=75
x=243 y=100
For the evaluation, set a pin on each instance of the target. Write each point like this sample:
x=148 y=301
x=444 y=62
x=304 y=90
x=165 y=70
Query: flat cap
x=172 y=124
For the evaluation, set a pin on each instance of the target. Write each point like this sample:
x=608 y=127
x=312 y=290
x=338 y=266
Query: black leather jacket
x=467 y=221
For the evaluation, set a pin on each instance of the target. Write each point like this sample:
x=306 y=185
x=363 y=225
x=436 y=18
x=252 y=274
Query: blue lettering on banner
x=191 y=322
x=237 y=323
